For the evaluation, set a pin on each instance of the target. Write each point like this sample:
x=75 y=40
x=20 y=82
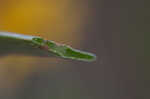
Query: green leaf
x=11 y=43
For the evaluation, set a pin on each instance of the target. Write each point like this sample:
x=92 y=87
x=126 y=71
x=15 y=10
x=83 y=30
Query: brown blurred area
x=112 y=29
x=61 y=21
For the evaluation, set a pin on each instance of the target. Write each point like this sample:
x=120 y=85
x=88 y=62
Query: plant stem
x=12 y=43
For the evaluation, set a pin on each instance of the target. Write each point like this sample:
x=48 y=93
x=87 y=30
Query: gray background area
x=115 y=32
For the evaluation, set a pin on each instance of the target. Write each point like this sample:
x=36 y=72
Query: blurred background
x=112 y=29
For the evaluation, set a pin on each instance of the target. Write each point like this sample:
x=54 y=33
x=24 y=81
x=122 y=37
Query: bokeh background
x=112 y=29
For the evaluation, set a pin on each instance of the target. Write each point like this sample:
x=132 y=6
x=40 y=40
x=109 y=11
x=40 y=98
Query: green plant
x=11 y=43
